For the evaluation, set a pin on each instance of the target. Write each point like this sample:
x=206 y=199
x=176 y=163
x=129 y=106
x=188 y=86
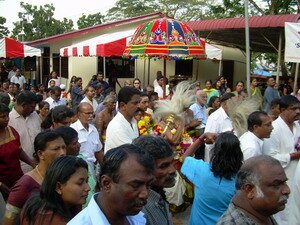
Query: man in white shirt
x=259 y=127
x=18 y=79
x=89 y=97
x=55 y=97
x=26 y=122
x=159 y=85
x=122 y=129
x=282 y=142
x=126 y=175
x=218 y=122
x=294 y=214
x=12 y=72
x=88 y=136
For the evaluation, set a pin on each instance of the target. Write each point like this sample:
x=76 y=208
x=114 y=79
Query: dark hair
x=4 y=108
x=287 y=100
x=41 y=140
x=88 y=87
x=60 y=171
x=116 y=156
x=152 y=94
x=226 y=96
x=144 y=94
x=275 y=102
x=268 y=78
x=39 y=98
x=159 y=75
x=77 y=79
x=212 y=100
x=137 y=80
x=58 y=114
x=108 y=91
x=55 y=89
x=50 y=75
x=67 y=133
x=126 y=93
x=150 y=86
x=208 y=81
x=41 y=85
x=26 y=97
x=255 y=119
x=242 y=82
x=156 y=146
x=42 y=104
x=227 y=157
x=4 y=98
x=211 y=111
x=249 y=172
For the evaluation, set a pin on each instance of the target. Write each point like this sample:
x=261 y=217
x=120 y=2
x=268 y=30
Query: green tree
x=178 y=9
x=38 y=22
x=235 y=8
x=227 y=9
x=185 y=10
x=130 y=8
x=89 y=20
x=3 y=30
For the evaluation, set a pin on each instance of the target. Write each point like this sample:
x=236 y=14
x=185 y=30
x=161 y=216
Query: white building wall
x=202 y=69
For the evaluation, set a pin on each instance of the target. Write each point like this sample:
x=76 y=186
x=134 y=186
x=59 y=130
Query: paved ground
x=182 y=218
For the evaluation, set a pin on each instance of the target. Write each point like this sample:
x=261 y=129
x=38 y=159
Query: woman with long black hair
x=63 y=192
x=214 y=182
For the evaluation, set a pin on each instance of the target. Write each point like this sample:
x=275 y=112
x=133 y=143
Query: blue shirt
x=212 y=194
x=269 y=96
x=199 y=113
x=76 y=96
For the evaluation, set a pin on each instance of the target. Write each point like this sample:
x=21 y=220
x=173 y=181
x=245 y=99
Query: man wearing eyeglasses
x=87 y=134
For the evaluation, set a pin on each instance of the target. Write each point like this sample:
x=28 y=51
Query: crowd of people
x=89 y=155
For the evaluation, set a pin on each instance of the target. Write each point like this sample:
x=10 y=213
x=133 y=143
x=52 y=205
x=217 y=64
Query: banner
x=292 y=42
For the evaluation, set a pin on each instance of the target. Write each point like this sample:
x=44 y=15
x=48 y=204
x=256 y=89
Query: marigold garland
x=145 y=125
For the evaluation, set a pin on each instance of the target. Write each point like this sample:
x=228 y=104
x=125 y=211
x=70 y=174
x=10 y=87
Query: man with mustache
x=126 y=175
x=157 y=208
x=284 y=142
x=262 y=191
x=259 y=127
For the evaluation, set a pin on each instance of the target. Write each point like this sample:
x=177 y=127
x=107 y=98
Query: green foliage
x=38 y=22
x=185 y=10
x=130 y=8
x=178 y=9
x=90 y=20
x=227 y=9
x=281 y=7
x=3 y=30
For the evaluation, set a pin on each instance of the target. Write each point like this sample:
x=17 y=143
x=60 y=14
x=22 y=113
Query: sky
x=71 y=9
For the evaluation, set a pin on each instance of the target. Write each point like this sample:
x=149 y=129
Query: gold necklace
x=38 y=172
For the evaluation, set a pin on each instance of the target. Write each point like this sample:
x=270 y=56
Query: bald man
x=199 y=107
x=262 y=191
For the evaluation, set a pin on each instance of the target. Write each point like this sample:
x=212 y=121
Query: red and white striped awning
x=106 y=45
x=113 y=44
x=10 y=48
x=211 y=51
